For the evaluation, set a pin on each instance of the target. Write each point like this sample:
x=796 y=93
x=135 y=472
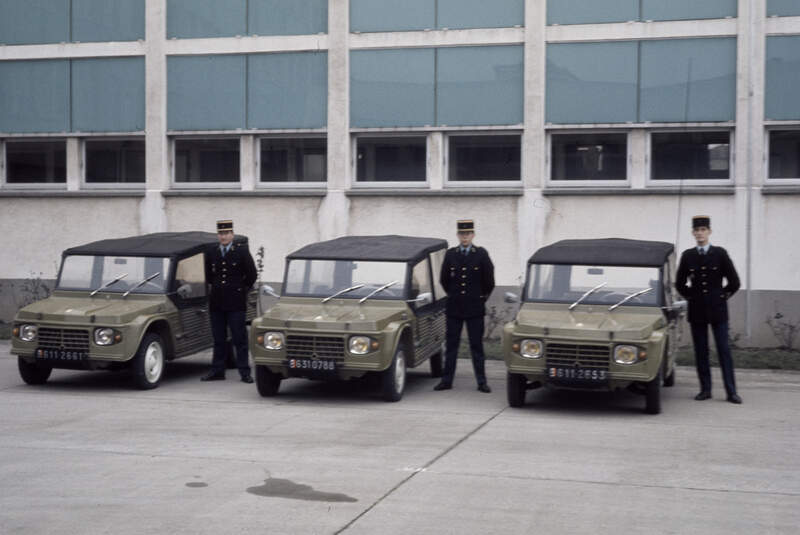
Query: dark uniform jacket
x=468 y=280
x=707 y=296
x=230 y=278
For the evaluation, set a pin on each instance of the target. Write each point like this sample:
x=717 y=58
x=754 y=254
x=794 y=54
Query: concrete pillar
x=248 y=158
x=435 y=163
x=152 y=214
x=74 y=164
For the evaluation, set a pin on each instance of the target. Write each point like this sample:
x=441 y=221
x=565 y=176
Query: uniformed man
x=704 y=266
x=231 y=272
x=468 y=278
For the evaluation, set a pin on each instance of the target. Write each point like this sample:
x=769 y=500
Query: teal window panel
x=783 y=8
x=108 y=94
x=688 y=80
x=480 y=13
x=34 y=96
x=392 y=87
x=591 y=82
x=104 y=20
x=479 y=85
x=586 y=12
x=282 y=17
x=188 y=19
x=781 y=100
x=287 y=90
x=392 y=15
x=34 y=21
x=688 y=9
x=206 y=92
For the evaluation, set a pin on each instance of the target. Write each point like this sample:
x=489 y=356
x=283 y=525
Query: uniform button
x=463 y=276
x=704 y=283
x=705 y=291
x=463 y=292
x=463 y=269
x=463 y=284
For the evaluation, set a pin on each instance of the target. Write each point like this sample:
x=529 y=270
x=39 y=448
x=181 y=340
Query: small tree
x=784 y=330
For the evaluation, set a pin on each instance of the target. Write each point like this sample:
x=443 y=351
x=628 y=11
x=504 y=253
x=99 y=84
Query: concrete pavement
x=86 y=454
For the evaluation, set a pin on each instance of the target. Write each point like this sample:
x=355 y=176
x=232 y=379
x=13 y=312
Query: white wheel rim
x=153 y=362
x=400 y=372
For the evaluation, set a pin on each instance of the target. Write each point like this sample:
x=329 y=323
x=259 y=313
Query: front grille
x=587 y=356
x=325 y=347
x=69 y=339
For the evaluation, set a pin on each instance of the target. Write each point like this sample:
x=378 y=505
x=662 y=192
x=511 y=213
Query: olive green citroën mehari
x=351 y=306
x=129 y=303
x=595 y=315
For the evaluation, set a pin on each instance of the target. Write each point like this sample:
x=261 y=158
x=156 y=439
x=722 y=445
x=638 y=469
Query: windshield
x=568 y=283
x=323 y=278
x=93 y=272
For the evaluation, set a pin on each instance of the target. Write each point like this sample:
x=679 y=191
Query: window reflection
x=690 y=155
x=589 y=156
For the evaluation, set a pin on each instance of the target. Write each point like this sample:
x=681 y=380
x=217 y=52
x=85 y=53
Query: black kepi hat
x=465 y=225
x=701 y=221
x=225 y=225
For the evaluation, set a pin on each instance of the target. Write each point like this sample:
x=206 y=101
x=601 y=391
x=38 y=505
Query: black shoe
x=703 y=395
x=443 y=386
x=483 y=387
x=734 y=398
x=213 y=376
x=247 y=378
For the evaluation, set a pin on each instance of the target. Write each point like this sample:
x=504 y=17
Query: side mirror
x=510 y=297
x=184 y=291
x=266 y=289
x=425 y=298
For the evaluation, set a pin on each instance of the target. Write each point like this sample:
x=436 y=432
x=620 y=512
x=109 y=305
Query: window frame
x=648 y=159
x=456 y=184
x=363 y=184
x=551 y=183
x=84 y=184
x=51 y=186
x=175 y=184
x=768 y=129
x=269 y=185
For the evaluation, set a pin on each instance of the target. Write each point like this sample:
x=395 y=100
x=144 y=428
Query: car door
x=192 y=302
x=430 y=319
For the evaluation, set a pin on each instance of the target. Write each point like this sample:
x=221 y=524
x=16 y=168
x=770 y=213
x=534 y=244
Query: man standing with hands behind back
x=468 y=278
x=705 y=266
x=231 y=272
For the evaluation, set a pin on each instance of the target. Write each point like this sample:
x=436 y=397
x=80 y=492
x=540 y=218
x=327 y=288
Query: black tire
x=393 y=378
x=230 y=356
x=516 y=387
x=33 y=373
x=267 y=382
x=437 y=364
x=653 y=395
x=669 y=380
x=147 y=366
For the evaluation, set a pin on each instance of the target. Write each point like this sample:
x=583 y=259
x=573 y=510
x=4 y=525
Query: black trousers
x=700 y=339
x=453 y=337
x=221 y=321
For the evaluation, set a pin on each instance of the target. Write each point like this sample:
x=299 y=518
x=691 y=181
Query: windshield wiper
x=106 y=285
x=340 y=292
x=635 y=294
x=382 y=288
x=148 y=279
x=587 y=294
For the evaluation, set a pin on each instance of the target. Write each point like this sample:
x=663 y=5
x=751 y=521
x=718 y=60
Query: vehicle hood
x=100 y=309
x=336 y=315
x=595 y=323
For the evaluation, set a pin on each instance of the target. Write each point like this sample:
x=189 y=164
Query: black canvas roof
x=381 y=248
x=156 y=244
x=607 y=251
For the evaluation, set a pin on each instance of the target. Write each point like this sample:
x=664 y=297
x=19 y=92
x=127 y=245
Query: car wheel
x=516 y=386
x=437 y=363
x=653 y=395
x=393 y=378
x=267 y=382
x=148 y=363
x=33 y=373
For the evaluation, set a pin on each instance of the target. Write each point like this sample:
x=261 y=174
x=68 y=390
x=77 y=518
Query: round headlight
x=626 y=354
x=27 y=333
x=104 y=336
x=359 y=345
x=273 y=340
x=531 y=349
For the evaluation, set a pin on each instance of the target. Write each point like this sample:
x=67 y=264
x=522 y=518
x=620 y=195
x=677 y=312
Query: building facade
x=311 y=119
